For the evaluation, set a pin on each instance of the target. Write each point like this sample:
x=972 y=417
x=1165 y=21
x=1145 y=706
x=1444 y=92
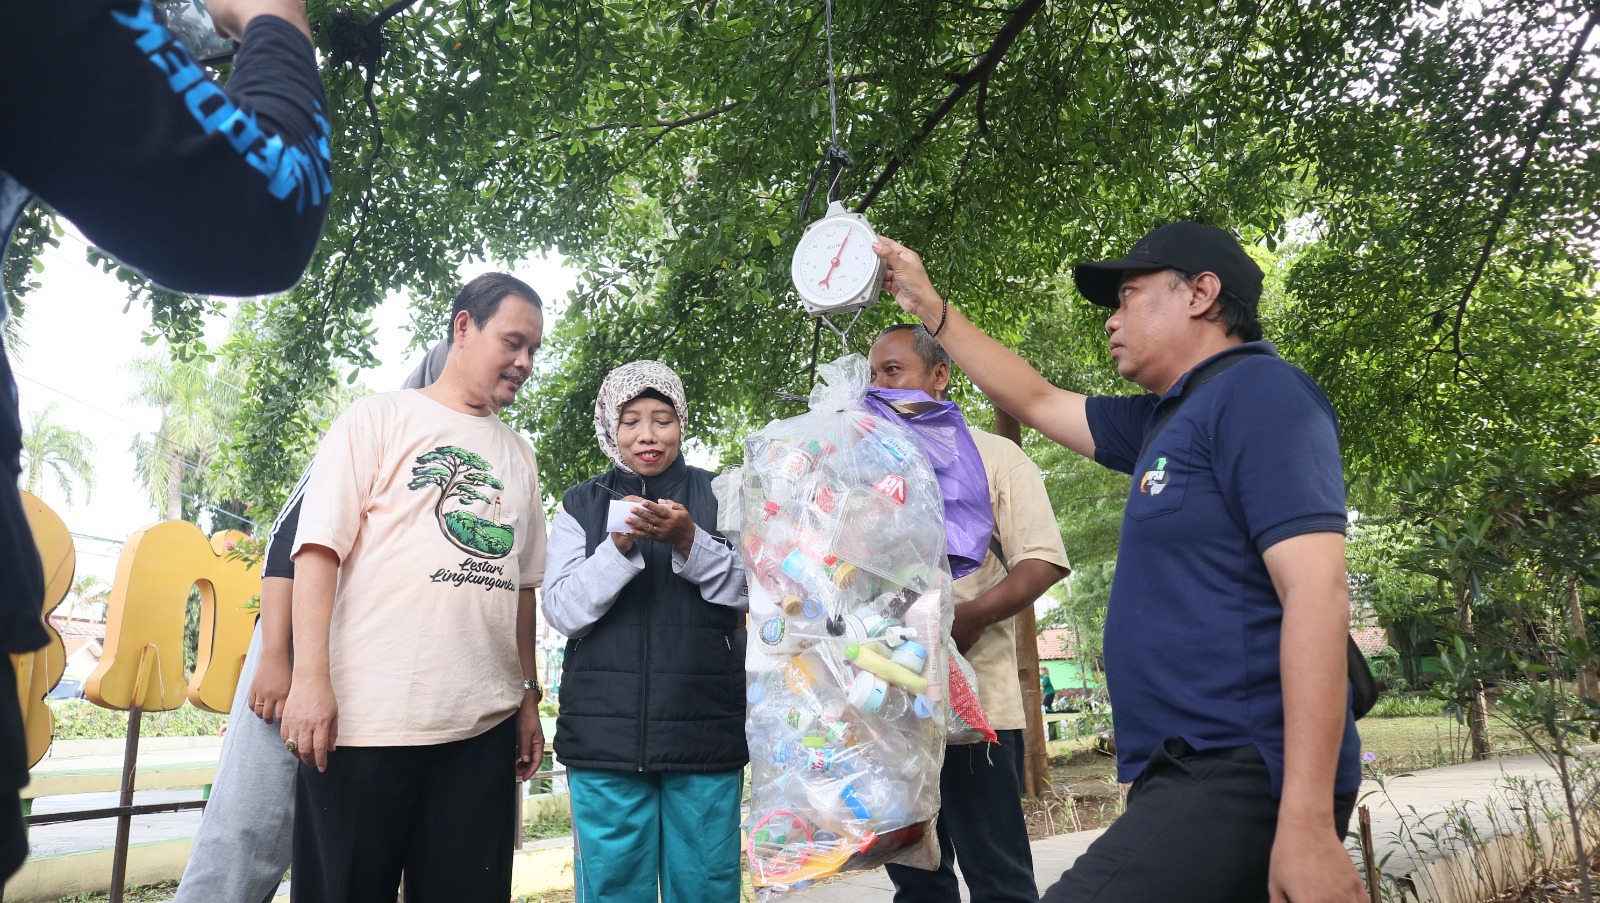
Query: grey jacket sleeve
x=716 y=568
x=579 y=589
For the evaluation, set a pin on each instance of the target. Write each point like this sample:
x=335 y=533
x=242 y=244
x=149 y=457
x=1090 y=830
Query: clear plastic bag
x=841 y=525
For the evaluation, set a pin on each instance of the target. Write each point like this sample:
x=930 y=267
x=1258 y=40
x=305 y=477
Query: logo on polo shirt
x=1155 y=480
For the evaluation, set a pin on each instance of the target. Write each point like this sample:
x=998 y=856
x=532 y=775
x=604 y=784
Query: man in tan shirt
x=420 y=543
x=981 y=820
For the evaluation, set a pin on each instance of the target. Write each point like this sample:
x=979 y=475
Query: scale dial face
x=834 y=267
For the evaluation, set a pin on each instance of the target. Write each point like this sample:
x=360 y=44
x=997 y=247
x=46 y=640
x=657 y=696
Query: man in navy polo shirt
x=1225 y=635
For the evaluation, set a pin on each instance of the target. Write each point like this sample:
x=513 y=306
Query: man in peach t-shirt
x=421 y=542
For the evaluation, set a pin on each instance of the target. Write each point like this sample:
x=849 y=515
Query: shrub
x=1385 y=664
x=1406 y=705
x=79 y=719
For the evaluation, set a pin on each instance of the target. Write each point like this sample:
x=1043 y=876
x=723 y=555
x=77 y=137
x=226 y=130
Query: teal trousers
x=643 y=836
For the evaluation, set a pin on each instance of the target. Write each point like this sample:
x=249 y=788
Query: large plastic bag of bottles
x=841 y=526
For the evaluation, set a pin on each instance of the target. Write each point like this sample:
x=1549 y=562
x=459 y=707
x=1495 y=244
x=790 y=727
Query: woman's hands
x=269 y=692
x=663 y=521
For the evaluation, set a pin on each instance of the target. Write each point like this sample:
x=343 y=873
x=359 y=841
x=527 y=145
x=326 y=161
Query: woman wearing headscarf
x=651 y=728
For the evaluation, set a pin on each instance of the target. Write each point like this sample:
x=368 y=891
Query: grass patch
x=553 y=821
x=149 y=893
x=1416 y=742
x=1399 y=743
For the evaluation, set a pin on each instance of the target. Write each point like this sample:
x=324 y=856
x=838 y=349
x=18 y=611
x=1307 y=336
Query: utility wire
x=168 y=456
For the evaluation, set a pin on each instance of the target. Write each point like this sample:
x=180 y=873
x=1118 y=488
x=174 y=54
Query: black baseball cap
x=1190 y=247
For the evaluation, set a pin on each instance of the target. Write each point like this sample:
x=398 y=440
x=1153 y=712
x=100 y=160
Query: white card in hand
x=616 y=516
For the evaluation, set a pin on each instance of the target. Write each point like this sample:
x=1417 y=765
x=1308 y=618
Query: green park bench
x=165 y=776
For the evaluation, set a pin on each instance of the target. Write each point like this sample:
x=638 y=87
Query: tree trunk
x=1478 y=705
x=1588 y=685
x=1036 y=761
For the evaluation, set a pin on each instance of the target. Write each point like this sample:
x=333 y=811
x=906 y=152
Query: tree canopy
x=1421 y=180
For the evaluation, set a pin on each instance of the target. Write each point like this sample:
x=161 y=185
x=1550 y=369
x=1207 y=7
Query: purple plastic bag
x=947 y=441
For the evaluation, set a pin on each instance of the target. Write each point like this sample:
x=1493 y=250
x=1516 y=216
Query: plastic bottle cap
x=813 y=608
x=857 y=806
x=867 y=692
x=910 y=655
x=873 y=622
x=922 y=706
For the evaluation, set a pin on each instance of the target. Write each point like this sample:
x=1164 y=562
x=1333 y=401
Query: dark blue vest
x=658 y=684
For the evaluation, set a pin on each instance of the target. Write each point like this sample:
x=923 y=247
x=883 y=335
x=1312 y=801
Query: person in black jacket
x=651 y=728
x=106 y=117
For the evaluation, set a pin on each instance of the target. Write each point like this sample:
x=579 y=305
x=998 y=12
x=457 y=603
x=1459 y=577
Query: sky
x=77 y=343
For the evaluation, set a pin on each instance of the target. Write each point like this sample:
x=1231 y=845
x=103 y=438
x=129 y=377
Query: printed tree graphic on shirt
x=459 y=474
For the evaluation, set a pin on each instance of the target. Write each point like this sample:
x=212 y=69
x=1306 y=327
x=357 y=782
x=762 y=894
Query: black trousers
x=1199 y=828
x=442 y=815
x=981 y=823
x=13 y=771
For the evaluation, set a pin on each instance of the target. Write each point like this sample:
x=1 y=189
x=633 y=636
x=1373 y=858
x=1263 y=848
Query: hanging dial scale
x=834 y=268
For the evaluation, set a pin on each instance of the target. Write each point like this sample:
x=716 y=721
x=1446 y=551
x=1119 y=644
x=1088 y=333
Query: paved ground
x=1393 y=809
x=1430 y=791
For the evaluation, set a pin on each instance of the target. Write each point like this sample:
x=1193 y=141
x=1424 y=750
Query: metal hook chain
x=843 y=334
x=834 y=159
x=833 y=97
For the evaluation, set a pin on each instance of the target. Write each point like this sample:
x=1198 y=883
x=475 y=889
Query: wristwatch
x=532 y=683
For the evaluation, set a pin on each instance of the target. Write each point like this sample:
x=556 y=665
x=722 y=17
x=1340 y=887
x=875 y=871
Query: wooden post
x=148 y=659
x=1036 y=761
x=1368 y=858
x=130 y=766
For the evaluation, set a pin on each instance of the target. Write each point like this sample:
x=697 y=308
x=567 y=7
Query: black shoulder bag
x=1364 y=687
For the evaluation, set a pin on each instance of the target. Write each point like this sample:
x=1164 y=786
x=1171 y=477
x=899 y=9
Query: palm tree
x=197 y=407
x=87 y=590
x=63 y=452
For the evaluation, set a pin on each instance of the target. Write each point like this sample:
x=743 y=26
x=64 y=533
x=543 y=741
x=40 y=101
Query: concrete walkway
x=1397 y=808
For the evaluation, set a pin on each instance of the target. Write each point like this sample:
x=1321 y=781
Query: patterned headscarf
x=623 y=385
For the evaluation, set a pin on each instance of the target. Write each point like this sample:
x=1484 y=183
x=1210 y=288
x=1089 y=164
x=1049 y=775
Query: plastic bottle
x=868 y=660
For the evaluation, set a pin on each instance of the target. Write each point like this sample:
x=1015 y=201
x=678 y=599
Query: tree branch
x=664 y=124
x=390 y=11
x=978 y=74
x=1519 y=178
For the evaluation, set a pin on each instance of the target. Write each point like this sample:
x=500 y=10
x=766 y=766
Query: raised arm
x=996 y=370
x=204 y=188
x=580 y=588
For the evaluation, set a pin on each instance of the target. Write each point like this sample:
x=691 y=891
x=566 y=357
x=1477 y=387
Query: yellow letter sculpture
x=39 y=671
x=143 y=660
